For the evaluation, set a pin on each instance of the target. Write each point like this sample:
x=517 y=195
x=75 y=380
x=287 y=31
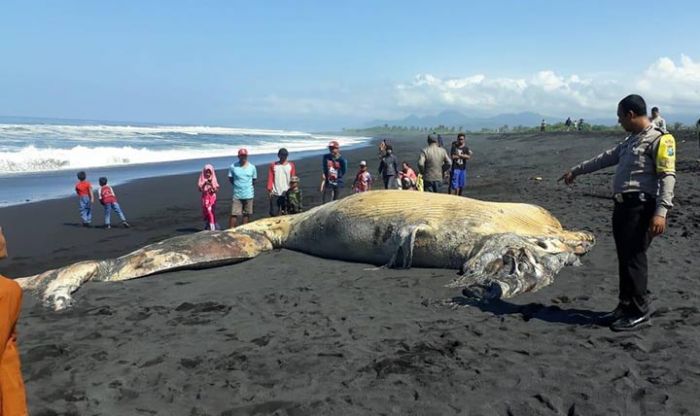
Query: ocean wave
x=96 y=131
x=31 y=159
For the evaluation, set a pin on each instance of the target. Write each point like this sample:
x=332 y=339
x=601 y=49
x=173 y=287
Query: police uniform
x=642 y=188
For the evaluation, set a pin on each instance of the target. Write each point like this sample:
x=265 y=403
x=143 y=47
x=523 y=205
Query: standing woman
x=208 y=186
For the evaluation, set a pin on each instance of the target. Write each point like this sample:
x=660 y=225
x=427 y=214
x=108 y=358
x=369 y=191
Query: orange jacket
x=12 y=397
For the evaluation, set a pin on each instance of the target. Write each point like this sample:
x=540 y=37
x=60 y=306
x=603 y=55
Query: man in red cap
x=242 y=176
x=12 y=397
x=334 y=167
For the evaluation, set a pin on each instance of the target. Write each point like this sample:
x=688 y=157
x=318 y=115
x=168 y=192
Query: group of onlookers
x=435 y=164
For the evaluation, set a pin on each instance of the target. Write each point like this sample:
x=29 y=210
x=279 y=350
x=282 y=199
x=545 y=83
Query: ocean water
x=39 y=161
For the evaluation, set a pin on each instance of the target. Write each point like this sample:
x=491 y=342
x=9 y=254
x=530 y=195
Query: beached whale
x=501 y=249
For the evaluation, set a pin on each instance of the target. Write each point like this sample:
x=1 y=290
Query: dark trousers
x=631 y=219
x=331 y=192
x=276 y=205
x=432 y=186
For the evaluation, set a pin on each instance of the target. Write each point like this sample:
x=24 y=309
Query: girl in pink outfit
x=208 y=186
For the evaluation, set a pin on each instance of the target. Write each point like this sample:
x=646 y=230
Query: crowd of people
x=436 y=166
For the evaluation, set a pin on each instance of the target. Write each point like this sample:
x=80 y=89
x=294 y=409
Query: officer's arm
x=230 y=175
x=421 y=162
x=665 y=161
x=602 y=161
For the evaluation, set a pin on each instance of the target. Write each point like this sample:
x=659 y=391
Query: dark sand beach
x=290 y=334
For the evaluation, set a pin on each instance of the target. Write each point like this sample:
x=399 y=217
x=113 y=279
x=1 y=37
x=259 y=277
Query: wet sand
x=290 y=334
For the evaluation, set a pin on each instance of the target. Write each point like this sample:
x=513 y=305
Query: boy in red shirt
x=85 y=198
x=109 y=200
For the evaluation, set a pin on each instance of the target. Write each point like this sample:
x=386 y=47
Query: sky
x=332 y=64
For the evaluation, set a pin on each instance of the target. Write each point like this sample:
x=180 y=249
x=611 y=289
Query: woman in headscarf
x=208 y=186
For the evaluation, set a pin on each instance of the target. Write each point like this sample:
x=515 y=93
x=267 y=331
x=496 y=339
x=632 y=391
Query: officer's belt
x=632 y=196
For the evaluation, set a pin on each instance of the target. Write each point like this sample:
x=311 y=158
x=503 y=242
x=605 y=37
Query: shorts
x=459 y=178
x=242 y=207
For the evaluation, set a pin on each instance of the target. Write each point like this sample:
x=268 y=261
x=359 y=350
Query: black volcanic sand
x=290 y=334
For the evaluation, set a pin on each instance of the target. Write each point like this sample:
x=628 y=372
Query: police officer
x=643 y=190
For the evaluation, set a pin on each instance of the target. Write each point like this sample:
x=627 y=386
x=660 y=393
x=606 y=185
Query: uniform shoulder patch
x=666 y=154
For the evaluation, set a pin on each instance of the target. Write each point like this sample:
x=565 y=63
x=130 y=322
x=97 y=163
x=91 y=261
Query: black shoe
x=87 y=225
x=107 y=227
x=630 y=323
x=612 y=316
x=126 y=224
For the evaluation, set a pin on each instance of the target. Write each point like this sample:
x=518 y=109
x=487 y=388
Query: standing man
x=568 y=123
x=12 y=396
x=242 y=175
x=460 y=154
x=657 y=120
x=278 y=179
x=430 y=164
x=334 y=167
x=543 y=126
x=643 y=192
x=389 y=169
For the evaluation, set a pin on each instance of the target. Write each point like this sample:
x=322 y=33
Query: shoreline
x=41 y=186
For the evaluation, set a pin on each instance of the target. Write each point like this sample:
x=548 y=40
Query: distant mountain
x=453 y=118
x=457 y=119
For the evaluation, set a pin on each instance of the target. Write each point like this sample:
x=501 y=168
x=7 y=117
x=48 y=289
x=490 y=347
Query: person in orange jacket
x=12 y=397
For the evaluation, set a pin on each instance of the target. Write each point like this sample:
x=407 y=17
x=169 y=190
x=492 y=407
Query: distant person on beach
x=408 y=177
x=580 y=124
x=543 y=125
x=568 y=123
x=242 y=175
x=430 y=164
x=13 y=400
x=643 y=192
x=441 y=141
x=278 y=179
x=657 y=120
x=460 y=154
x=208 y=185
x=109 y=201
x=389 y=169
x=293 y=199
x=363 y=179
x=334 y=167
x=85 y=198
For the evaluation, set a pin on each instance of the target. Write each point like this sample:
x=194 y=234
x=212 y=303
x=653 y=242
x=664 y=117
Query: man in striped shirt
x=278 y=177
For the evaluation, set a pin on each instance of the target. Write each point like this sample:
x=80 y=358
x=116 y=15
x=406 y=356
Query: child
x=109 y=200
x=85 y=198
x=293 y=197
x=363 y=179
x=208 y=186
x=408 y=177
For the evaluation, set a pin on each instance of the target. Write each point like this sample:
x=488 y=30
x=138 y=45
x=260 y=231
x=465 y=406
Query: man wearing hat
x=242 y=175
x=334 y=167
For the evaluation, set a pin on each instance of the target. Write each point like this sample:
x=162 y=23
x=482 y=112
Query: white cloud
x=676 y=87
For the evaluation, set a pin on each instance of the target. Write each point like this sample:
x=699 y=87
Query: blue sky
x=321 y=64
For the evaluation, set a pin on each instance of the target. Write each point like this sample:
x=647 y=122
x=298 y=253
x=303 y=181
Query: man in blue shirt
x=242 y=176
x=334 y=167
